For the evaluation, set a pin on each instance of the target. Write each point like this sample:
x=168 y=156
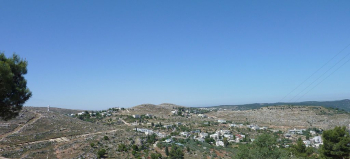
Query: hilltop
x=340 y=104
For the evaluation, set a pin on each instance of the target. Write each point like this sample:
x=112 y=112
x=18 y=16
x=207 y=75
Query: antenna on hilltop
x=48 y=108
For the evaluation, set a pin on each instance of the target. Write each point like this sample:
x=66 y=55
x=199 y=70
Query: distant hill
x=57 y=110
x=340 y=104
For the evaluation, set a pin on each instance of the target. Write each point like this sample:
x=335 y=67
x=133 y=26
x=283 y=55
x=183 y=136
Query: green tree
x=336 y=143
x=135 y=147
x=105 y=138
x=122 y=147
x=176 y=152
x=156 y=156
x=13 y=87
x=299 y=149
x=264 y=146
x=92 y=144
x=225 y=142
x=101 y=153
x=166 y=151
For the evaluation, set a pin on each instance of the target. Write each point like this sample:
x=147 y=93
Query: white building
x=220 y=143
x=136 y=116
x=233 y=125
x=225 y=131
x=214 y=136
x=200 y=139
x=222 y=121
x=296 y=131
x=312 y=132
x=168 y=140
x=203 y=135
x=317 y=139
x=186 y=134
x=255 y=127
x=228 y=136
x=167 y=126
x=307 y=143
x=202 y=115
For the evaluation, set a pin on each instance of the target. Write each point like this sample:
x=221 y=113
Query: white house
x=317 y=139
x=200 y=139
x=186 y=134
x=174 y=112
x=296 y=131
x=203 y=135
x=167 y=126
x=136 y=116
x=255 y=127
x=202 y=115
x=220 y=143
x=228 y=136
x=221 y=121
x=307 y=143
x=168 y=140
x=263 y=128
x=214 y=136
x=148 y=132
x=233 y=125
x=312 y=132
x=225 y=131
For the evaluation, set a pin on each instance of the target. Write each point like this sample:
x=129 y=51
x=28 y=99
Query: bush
x=156 y=156
x=101 y=153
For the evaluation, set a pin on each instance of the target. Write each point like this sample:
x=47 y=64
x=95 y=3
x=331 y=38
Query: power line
x=315 y=72
x=324 y=79
x=320 y=76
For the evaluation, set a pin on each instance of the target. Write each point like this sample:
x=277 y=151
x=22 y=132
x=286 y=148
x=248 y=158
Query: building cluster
x=314 y=142
x=150 y=132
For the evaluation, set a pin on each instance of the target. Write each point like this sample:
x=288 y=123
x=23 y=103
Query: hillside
x=340 y=104
x=287 y=117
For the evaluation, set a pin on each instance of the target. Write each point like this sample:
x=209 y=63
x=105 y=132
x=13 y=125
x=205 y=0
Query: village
x=221 y=133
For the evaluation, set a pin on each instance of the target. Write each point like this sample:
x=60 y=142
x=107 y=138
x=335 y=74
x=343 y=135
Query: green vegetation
x=166 y=151
x=14 y=92
x=176 y=152
x=264 y=146
x=156 y=156
x=336 y=143
x=101 y=153
x=300 y=150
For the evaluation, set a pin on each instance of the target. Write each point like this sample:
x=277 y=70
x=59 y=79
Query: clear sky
x=100 y=54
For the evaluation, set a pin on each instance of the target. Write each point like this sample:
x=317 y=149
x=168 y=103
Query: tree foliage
x=166 y=151
x=264 y=146
x=156 y=156
x=336 y=143
x=176 y=152
x=101 y=153
x=13 y=86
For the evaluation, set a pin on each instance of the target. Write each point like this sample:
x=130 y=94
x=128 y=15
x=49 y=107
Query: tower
x=48 y=108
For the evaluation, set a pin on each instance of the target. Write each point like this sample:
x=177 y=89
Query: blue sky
x=101 y=54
